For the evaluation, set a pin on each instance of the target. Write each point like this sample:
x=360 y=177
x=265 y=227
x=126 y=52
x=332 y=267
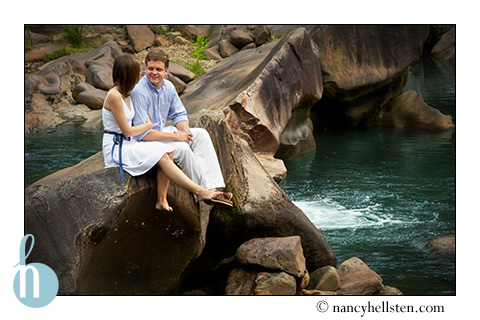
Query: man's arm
x=183 y=125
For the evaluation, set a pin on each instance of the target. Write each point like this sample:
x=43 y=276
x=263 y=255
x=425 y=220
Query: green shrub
x=27 y=40
x=66 y=51
x=73 y=33
x=196 y=68
x=200 y=45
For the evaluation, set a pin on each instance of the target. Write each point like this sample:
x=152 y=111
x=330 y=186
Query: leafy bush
x=196 y=68
x=201 y=45
x=74 y=33
x=65 y=51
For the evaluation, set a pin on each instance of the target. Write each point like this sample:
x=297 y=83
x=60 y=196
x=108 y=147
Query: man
x=156 y=97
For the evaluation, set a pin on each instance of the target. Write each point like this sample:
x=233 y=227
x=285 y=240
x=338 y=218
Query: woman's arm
x=115 y=105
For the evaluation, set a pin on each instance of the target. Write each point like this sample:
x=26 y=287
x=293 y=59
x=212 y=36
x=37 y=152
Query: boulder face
x=363 y=67
x=102 y=236
x=261 y=90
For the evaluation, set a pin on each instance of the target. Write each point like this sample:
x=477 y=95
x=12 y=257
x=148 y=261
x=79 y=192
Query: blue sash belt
x=118 y=140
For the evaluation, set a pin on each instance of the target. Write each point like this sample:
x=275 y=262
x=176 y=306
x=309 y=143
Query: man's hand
x=183 y=136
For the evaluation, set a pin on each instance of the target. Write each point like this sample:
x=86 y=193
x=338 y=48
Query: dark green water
x=382 y=194
x=377 y=194
x=48 y=152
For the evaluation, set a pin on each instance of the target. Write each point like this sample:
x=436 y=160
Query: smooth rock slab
x=279 y=253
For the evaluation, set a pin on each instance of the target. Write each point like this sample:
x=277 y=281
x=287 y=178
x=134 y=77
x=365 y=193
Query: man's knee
x=201 y=133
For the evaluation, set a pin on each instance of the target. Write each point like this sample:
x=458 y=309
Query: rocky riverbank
x=261 y=100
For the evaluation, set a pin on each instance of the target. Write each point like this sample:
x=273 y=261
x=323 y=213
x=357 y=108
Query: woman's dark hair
x=126 y=73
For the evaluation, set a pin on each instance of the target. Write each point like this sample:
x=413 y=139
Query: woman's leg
x=176 y=175
x=162 y=189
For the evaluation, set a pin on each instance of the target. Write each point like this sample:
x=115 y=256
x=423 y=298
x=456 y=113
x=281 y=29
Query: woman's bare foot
x=215 y=198
x=207 y=194
x=163 y=207
x=226 y=195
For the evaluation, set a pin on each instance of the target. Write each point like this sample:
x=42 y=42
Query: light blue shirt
x=160 y=104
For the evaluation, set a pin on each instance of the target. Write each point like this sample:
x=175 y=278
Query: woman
x=137 y=157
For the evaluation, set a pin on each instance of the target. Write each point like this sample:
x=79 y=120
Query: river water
x=381 y=194
x=377 y=194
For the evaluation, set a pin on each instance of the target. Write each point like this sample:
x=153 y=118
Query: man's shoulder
x=141 y=85
x=168 y=84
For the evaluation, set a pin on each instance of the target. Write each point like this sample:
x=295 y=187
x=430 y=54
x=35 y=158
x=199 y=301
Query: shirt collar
x=151 y=86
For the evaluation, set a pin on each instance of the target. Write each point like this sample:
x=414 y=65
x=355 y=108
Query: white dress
x=137 y=156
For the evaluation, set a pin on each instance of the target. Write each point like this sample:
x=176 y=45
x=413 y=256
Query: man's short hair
x=157 y=54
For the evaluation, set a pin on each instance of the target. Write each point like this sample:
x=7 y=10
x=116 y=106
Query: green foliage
x=200 y=45
x=27 y=40
x=65 y=51
x=273 y=38
x=196 y=68
x=73 y=33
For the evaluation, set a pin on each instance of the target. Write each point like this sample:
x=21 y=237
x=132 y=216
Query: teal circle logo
x=35 y=284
